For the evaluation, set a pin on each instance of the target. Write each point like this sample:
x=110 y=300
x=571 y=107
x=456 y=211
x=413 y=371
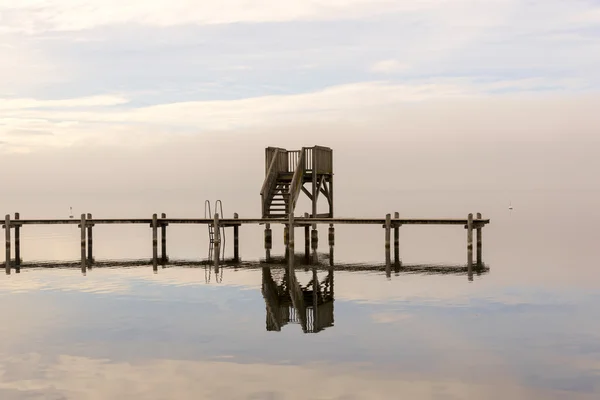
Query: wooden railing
x=322 y=160
x=278 y=163
x=297 y=181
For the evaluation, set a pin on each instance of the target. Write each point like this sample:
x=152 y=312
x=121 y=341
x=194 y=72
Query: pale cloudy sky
x=108 y=71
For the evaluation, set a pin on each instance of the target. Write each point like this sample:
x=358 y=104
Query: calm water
x=527 y=329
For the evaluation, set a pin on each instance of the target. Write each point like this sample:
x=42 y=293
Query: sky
x=101 y=72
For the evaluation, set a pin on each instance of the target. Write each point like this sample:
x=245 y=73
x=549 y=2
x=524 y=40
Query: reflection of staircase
x=286 y=174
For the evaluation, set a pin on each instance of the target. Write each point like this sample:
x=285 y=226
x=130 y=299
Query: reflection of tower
x=311 y=305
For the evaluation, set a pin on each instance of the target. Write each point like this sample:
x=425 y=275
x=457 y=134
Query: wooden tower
x=288 y=173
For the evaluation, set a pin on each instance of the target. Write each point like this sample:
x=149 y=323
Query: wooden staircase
x=285 y=176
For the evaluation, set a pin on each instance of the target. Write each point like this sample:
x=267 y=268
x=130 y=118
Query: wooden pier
x=287 y=174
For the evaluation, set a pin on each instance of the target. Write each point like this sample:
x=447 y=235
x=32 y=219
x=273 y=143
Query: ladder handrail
x=219 y=204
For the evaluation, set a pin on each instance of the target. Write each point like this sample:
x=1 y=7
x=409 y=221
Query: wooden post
x=388 y=261
x=7 y=235
x=163 y=240
x=90 y=240
x=306 y=241
x=154 y=242
x=397 y=240
x=331 y=243
x=479 y=242
x=236 y=240
x=217 y=240
x=82 y=227
x=314 y=241
x=470 y=244
x=291 y=252
x=268 y=242
x=17 y=241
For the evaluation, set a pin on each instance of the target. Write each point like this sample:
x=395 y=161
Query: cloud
x=389 y=67
x=69 y=15
x=93 y=101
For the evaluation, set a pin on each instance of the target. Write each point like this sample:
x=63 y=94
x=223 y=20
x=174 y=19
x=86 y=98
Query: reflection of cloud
x=390 y=317
x=81 y=378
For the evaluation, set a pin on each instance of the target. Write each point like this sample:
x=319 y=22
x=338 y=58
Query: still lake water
x=527 y=329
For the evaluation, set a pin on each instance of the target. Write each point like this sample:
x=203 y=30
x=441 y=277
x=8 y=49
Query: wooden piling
x=236 y=240
x=90 y=239
x=479 y=242
x=388 y=226
x=397 y=240
x=163 y=239
x=217 y=240
x=7 y=236
x=291 y=250
x=17 y=241
x=470 y=243
x=154 y=241
x=314 y=241
x=82 y=227
x=306 y=241
x=268 y=242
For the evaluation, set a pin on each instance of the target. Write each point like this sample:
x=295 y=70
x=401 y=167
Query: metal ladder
x=211 y=229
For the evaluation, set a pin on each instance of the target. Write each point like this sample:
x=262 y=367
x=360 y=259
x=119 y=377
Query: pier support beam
x=306 y=241
x=331 y=238
x=163 y=240
x=397 y=240
x=90 y=239
x=217 y=242
x=17 y=242
x=236 y=240
x=291 y=251
x=470 y=245
x=479 y=243
x=314 y=242
x=154 y=242
x=7 y=236
x=388 y=259
x=83 y=243
x=268 y=242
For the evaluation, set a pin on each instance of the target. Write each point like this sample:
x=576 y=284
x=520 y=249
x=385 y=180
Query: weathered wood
x=479 y=243
x=236 y=240
x=314 y=241
x=268 y=242
x=388 y=225
x=217 y=240
x=470 y=242
x=233 y=222
x=90 y=239
x=154 y=241
x=82 y=228
x=331 y=235
x=397 y=240
x=291 y=248
x=7 y=237
x=17 y=241
x=163 y=239
x=306 y=241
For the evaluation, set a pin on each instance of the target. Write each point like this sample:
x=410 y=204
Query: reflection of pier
x=311 y=305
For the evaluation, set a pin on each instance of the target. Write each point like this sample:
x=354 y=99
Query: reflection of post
x=479 y=243
x=470 y=244
x=397 y=240
x=315 y=310
x=163 y=239
x=83 y=241
x=268 y=242
x=7 y=235
x=306 y=241
x=236 y=240
x=388 y=261
x=17 y=241
x=90 y=240
x=154 y=242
